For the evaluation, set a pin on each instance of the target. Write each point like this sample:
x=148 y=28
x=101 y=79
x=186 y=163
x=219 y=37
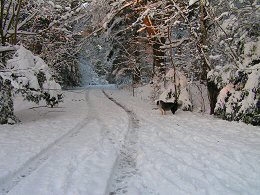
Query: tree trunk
x=156 y=43
x=158 y=57
x=213 y=91
x=6 y=103
x=204 y=67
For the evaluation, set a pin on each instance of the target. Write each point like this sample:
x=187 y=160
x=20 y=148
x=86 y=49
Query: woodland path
x=125 y=164
x=122 y=145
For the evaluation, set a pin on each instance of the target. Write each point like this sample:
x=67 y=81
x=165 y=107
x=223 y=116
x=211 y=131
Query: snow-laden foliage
x=175 y=85
x=56 y=39
x=30 y=76
x=239 y=99
x=60 y=52
x=191 y=2
x=235 y=56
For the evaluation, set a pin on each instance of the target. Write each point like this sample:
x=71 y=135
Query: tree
x=205 y=39
x=25 y=73
x=57 y=38
x=8 y=31
x=236 y=59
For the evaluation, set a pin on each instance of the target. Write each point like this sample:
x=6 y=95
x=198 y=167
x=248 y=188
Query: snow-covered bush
x=234 y=55
x=29 y=75
x=240 y=99
x=169 y=87
x=239 y=81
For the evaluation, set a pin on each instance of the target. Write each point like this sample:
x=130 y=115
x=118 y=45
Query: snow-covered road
x=111 y=143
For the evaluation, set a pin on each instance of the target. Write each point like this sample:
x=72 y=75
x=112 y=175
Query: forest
x=170 y=45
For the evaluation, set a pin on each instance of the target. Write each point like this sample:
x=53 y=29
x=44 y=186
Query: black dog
x=165 y=106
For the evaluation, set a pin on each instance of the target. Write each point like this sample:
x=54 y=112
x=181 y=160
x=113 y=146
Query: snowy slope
x=117 y=144
x=190 y=153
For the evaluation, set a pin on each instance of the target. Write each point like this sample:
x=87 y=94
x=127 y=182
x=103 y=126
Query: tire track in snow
x=11 y=180
x=125 y=164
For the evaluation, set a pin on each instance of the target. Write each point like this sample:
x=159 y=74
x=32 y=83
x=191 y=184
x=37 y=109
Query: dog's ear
x=157 y=102
x=179 y=103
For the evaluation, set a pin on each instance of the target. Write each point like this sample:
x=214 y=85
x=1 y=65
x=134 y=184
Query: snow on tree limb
x=7 y=48
x=31 y=76
x=191 y=2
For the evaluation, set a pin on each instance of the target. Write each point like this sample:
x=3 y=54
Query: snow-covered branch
x=7 y=48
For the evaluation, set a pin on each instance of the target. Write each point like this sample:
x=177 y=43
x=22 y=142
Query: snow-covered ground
x=189 y=153
x=112 y=143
